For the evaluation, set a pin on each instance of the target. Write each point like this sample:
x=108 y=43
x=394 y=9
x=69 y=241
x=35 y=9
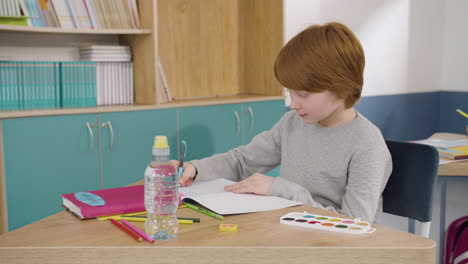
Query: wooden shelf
x=134 y=107
x=218 y=58
x=54 y=30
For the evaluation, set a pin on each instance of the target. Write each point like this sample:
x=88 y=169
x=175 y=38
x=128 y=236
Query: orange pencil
x=128 y=231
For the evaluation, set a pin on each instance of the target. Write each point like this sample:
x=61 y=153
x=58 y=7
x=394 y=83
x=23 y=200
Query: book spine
x=72 y=13
x=63 y=14
x=2 y=84
x=93 y=92
x=57 y=86
x=19 y=67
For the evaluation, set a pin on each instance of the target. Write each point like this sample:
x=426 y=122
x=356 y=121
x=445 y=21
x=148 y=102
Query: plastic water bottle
x=161 y=193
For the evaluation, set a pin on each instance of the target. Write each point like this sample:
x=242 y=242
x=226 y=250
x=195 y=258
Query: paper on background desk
x=443 y=143
x=447 y=161
x=212 y=195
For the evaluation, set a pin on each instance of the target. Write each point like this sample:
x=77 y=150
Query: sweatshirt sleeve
x=368 y=174
x=261 y=155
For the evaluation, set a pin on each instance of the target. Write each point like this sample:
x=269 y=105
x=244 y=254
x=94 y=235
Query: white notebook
x=211 y=194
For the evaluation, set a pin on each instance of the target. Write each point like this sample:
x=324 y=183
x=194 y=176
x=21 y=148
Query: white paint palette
x=322 y=222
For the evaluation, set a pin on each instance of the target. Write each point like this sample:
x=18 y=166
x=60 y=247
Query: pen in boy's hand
x=182 y=151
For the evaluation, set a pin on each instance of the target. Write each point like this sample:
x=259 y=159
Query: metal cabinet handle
x=111 y=131
x=91 y=136
x=252 y=119
x=238 y=123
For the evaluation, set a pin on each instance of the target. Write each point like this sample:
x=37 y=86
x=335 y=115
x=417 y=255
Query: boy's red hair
x=323 y=57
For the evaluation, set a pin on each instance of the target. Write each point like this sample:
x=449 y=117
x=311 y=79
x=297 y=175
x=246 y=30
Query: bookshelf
x=212 y=51
x=73 y=31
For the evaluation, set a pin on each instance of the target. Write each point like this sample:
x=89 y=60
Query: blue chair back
x=410 y=188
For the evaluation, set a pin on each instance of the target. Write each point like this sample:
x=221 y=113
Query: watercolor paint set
x=322 y=222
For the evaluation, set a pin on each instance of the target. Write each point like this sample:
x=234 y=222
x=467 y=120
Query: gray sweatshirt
x=342 y=169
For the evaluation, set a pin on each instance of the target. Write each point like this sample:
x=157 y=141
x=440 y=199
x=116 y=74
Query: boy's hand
x=257 y=183
x=188 y=175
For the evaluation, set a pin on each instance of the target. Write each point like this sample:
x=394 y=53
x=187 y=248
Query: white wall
x=401 y=38
x=455 y=50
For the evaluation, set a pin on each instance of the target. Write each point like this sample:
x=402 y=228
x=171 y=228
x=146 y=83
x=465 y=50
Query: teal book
x=49 y=85
x=36 y=86
x=80 y=81
x=22 y=85
x=19 y=66
x=57 y=85
x=89 y=84
x=11 y=89
x=7 y=86
x=27 y=84
x=68 y=84
x=2 y=84
x=16 y=86
x=65 y=69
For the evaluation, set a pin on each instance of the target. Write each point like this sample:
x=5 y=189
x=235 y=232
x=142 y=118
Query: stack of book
x=114 y=83
x=42 y=84
x=105 y=53
x=78 y=84
x=114 y=71
x=448 y=149
x=9 y=8
x=83 y=14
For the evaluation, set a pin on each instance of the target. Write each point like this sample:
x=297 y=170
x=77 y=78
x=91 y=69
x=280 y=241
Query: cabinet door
x=262 y=116
x=46 y=157
x=127 y=152
x=210 y=129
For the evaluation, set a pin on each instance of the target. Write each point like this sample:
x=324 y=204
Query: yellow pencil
x=143 y=219
x=462 y=113
x=102 y=218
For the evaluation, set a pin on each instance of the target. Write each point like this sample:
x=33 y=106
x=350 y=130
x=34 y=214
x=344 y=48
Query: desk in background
x=454 y=172
x=62 y=238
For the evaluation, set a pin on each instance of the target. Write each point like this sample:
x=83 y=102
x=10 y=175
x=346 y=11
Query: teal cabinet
x=48 y=156
x=209 y=130
x=216 y=129
x=45 y=157
x=126 y=141
x=262 y=116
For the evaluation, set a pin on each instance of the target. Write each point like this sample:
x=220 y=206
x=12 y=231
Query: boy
x=331 y=156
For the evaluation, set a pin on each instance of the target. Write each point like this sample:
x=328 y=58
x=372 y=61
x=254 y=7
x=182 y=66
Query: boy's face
x=315 y=107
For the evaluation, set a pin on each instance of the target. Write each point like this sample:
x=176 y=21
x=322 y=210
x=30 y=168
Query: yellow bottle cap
x=160 y=142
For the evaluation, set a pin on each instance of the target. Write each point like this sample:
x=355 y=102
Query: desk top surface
x=257 y=229
x=456 y=168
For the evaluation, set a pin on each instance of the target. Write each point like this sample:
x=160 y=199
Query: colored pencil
x=462 y=113
x=126 y=230
x=194 y=219
x=138 y=231
x=204 y=211
x=143 y=219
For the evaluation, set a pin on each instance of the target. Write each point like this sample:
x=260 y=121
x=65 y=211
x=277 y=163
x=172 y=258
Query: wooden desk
x=62 y=238
x=451 y=171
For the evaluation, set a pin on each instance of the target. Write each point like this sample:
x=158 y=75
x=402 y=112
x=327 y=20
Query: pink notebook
x=92 y=204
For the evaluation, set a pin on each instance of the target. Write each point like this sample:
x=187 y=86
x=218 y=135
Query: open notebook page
x=212 y=195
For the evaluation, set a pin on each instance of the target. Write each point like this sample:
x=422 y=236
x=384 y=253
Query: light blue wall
x=403 y=116
x=450 y=120
x=416 y=115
